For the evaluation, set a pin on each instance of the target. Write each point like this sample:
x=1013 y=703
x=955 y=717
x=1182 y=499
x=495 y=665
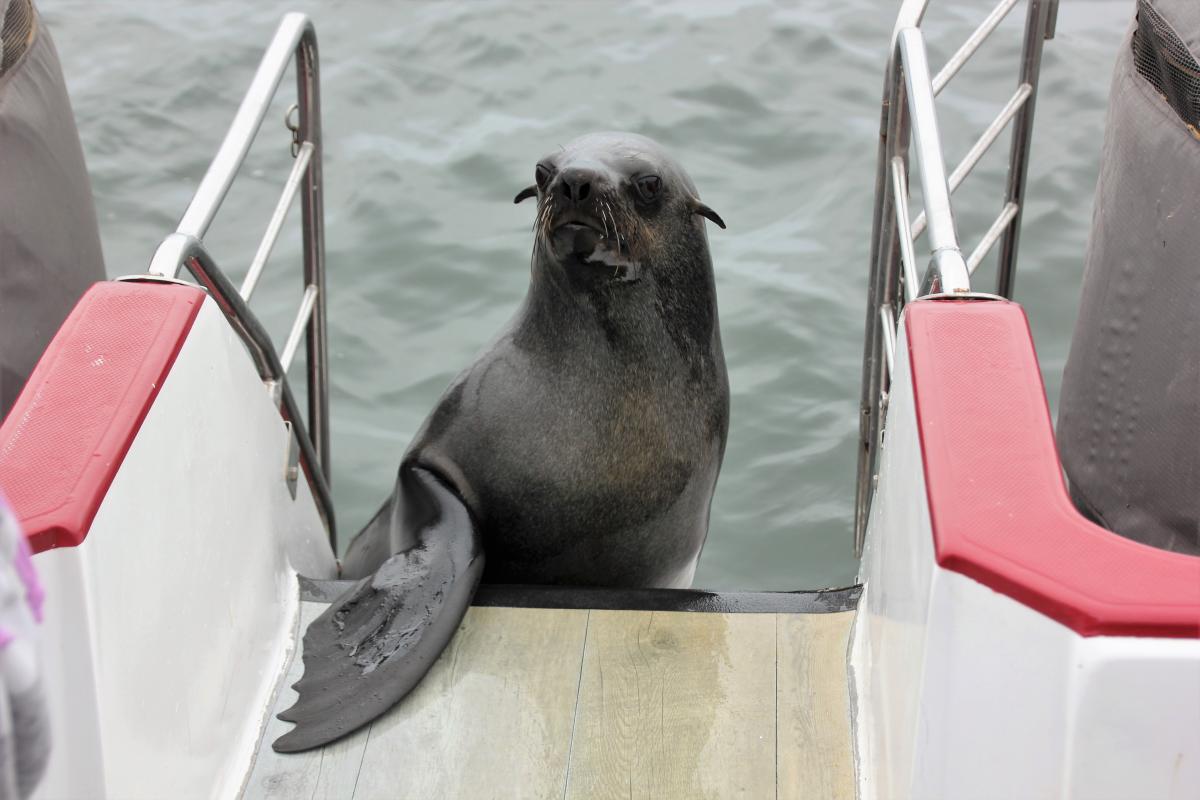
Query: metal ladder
x=294 y=40
x=909 y=109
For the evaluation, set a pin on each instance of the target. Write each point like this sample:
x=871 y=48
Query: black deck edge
x=823 y=601
x=583 y=597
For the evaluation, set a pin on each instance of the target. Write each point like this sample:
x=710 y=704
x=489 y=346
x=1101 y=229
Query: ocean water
x=434 y=114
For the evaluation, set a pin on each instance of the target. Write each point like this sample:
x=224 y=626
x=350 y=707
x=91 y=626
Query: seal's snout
x=575 y=184
x=580 y=215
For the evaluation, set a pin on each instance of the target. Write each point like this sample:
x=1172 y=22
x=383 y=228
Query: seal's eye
x=541 y=174
x=649 y=186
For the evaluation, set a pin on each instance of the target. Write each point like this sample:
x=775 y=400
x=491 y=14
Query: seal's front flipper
x=373 y=545
x=375 y=642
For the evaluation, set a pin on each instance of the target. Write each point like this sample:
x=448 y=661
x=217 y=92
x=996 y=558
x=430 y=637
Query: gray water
x=434 y=115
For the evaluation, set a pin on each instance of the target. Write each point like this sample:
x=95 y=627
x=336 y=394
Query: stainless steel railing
x=294 y=40
x=909 y=112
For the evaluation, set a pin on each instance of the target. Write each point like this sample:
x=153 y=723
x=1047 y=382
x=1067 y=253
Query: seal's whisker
x=546 y=219
x=616 y=230
x=616 y=234
x=542 y=224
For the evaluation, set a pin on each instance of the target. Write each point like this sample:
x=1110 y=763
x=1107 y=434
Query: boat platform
x=570 y=693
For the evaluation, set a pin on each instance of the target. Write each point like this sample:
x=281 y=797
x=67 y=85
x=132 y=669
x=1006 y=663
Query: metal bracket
x=293 y=125
x=275 y=392
x=961 y=296
x=291 y=468
x=152 y=278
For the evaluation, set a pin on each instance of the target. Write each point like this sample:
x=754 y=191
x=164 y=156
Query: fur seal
x=581 y=447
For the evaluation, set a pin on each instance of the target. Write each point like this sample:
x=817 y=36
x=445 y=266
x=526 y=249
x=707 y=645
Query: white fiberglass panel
x=962 y=692
x=190 y=587
x=76 y=765
x=992 y=721
x=1014 y=704
x=889 y=633
x=1137 y=729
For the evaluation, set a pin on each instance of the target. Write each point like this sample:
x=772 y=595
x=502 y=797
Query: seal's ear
x=528 y=192
x=707 y=213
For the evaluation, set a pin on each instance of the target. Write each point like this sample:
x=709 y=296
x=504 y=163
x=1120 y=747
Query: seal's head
x=612 y=206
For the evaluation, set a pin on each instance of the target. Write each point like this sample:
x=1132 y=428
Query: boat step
x=592 y=703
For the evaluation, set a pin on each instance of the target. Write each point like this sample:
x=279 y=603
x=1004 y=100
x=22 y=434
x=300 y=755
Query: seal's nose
x=576 y=184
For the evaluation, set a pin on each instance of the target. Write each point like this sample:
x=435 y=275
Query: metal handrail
x=948 y=269
x=908 y=110
x=295 y=41
x=1039 y=27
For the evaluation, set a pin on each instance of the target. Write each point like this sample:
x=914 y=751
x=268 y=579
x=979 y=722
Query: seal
x=581 y=447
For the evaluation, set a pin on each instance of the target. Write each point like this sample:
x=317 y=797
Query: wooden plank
x=325 y=774
x=676 y=705
x=815 y=756
x=492 y=719
x=547 y=703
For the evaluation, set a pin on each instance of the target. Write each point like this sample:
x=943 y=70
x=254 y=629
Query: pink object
x=998 y=502
x=17 y=577
x=35 y=595
x=68 y=433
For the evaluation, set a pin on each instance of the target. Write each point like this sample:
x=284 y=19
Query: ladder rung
x=908 y=258
x=298 y=327
x=993 y=233
x=888 y=323
x=303 y=156
x=981 y=146
x=971 y=45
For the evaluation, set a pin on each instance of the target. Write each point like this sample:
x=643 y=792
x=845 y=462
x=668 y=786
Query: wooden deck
x=564 y=703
